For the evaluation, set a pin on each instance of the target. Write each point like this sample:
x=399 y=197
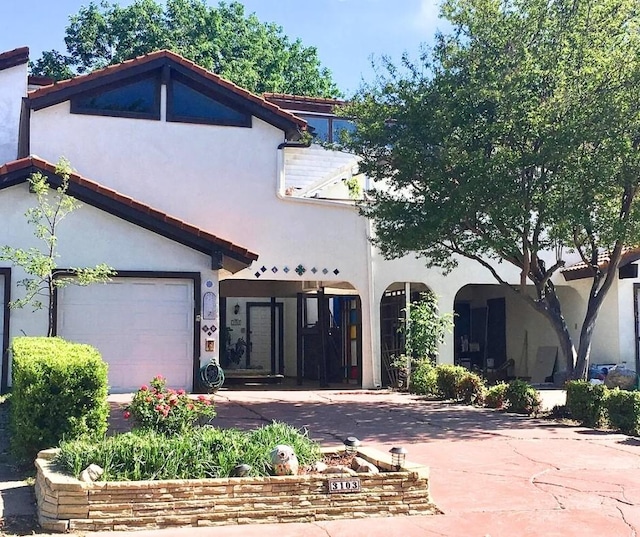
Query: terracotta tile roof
x=200 y=236
x=40 y=80
x=301 y=98
x=582 y=270
x=14 y=57
x=82 y=80
x=299 y=103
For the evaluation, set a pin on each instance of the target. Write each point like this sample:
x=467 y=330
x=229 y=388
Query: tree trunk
x=50 y=308
x=586 y=334
x=549 y=305
x=551 y=309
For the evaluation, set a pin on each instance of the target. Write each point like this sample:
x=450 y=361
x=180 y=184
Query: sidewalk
x=493 y=474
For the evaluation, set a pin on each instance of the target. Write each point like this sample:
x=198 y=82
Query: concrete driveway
x=493 y=474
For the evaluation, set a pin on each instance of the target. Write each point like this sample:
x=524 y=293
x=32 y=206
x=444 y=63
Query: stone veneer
x=67 y=504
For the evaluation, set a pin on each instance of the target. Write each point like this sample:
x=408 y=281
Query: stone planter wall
x=66 y=504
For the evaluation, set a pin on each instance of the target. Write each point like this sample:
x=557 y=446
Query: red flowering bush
x=165 y=410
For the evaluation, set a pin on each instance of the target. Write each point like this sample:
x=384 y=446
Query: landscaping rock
x=340 y=470
x=91 y=473
x=622 y=378
x=319 y=467
x=362 y=466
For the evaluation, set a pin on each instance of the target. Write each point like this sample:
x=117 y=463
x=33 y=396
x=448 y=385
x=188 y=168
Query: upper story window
x=328 y=128
x=190 y=104
x=139 y=99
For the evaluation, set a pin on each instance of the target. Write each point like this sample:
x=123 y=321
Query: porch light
x=351 y=444
x=236 y=309
x=398 y=456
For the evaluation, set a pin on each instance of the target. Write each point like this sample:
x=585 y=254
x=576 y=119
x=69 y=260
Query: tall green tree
x=255 y=55
x=515 y=140
x=41 y=264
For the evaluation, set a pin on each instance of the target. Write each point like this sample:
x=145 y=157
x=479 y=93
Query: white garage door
x=143 y=327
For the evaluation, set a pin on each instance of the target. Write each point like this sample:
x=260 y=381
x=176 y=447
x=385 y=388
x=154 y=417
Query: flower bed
x=67 y=504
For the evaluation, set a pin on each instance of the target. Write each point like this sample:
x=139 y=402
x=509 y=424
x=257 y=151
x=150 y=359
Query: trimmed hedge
x=495 y=396
x=586 y=402
x=59 y=391
x=623 y=410
x=522 y=398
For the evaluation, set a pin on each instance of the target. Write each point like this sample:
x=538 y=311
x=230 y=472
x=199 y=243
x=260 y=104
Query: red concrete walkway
x=493 y=474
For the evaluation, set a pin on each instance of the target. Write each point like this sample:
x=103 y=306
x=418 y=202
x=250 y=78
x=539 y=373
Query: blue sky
x=347 y=33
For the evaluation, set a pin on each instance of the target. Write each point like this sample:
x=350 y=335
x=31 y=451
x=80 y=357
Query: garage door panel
x=142 y=327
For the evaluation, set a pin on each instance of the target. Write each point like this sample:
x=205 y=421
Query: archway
x=393 y=306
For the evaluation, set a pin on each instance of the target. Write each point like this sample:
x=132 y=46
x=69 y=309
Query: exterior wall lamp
x=236 y=309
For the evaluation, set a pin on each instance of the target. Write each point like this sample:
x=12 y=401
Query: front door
x=265 y=335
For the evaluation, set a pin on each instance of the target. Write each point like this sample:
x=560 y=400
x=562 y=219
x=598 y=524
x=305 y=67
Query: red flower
x=144 y=388
x=126 y=414
x=190 y=406
x=181 y=391
x=202 y=398
x=158 y=377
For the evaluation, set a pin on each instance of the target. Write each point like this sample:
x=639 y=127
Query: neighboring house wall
x=13 y=87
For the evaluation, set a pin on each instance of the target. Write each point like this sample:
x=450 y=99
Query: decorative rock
x=363 y=466
x=340 y=470
x=622 y=378
x=319 y=467
x=91 y=473
x=284 y=461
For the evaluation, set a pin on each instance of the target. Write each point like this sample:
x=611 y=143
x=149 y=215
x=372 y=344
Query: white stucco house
x=233 y=241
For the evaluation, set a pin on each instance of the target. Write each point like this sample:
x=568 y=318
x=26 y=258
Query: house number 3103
x=344 y=485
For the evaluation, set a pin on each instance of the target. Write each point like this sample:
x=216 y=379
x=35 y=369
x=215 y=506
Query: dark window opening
x=328 y=128
x=139 y=99
x=187 y=104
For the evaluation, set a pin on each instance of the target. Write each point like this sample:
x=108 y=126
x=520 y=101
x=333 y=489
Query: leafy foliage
x=254 y=55
x=201 y=452
x=167 y=411
x=426 y=327
x=495 y=396
x=514 y=140
x=586 y=402
x=471 y=389
x=53 y=205
x=59 y=391
x=623 y=410
x=522 y=398
x=448 y=380
x=424 y=378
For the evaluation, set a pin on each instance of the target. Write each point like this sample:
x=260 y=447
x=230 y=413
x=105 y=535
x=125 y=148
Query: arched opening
x=393 y=306
x=497 y=334
x=305 y=333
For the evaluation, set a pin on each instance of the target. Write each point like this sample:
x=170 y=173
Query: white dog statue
x=284 y=460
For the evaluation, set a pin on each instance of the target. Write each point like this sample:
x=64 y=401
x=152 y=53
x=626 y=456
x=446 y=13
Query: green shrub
x=495 y=396
x=423 y=378
x=201 y=452
x=471 y=389
x=165 y=410
x=448 y=380
x=586 y=402
x=623 y=409
x=522 y=398
x=59 y=391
